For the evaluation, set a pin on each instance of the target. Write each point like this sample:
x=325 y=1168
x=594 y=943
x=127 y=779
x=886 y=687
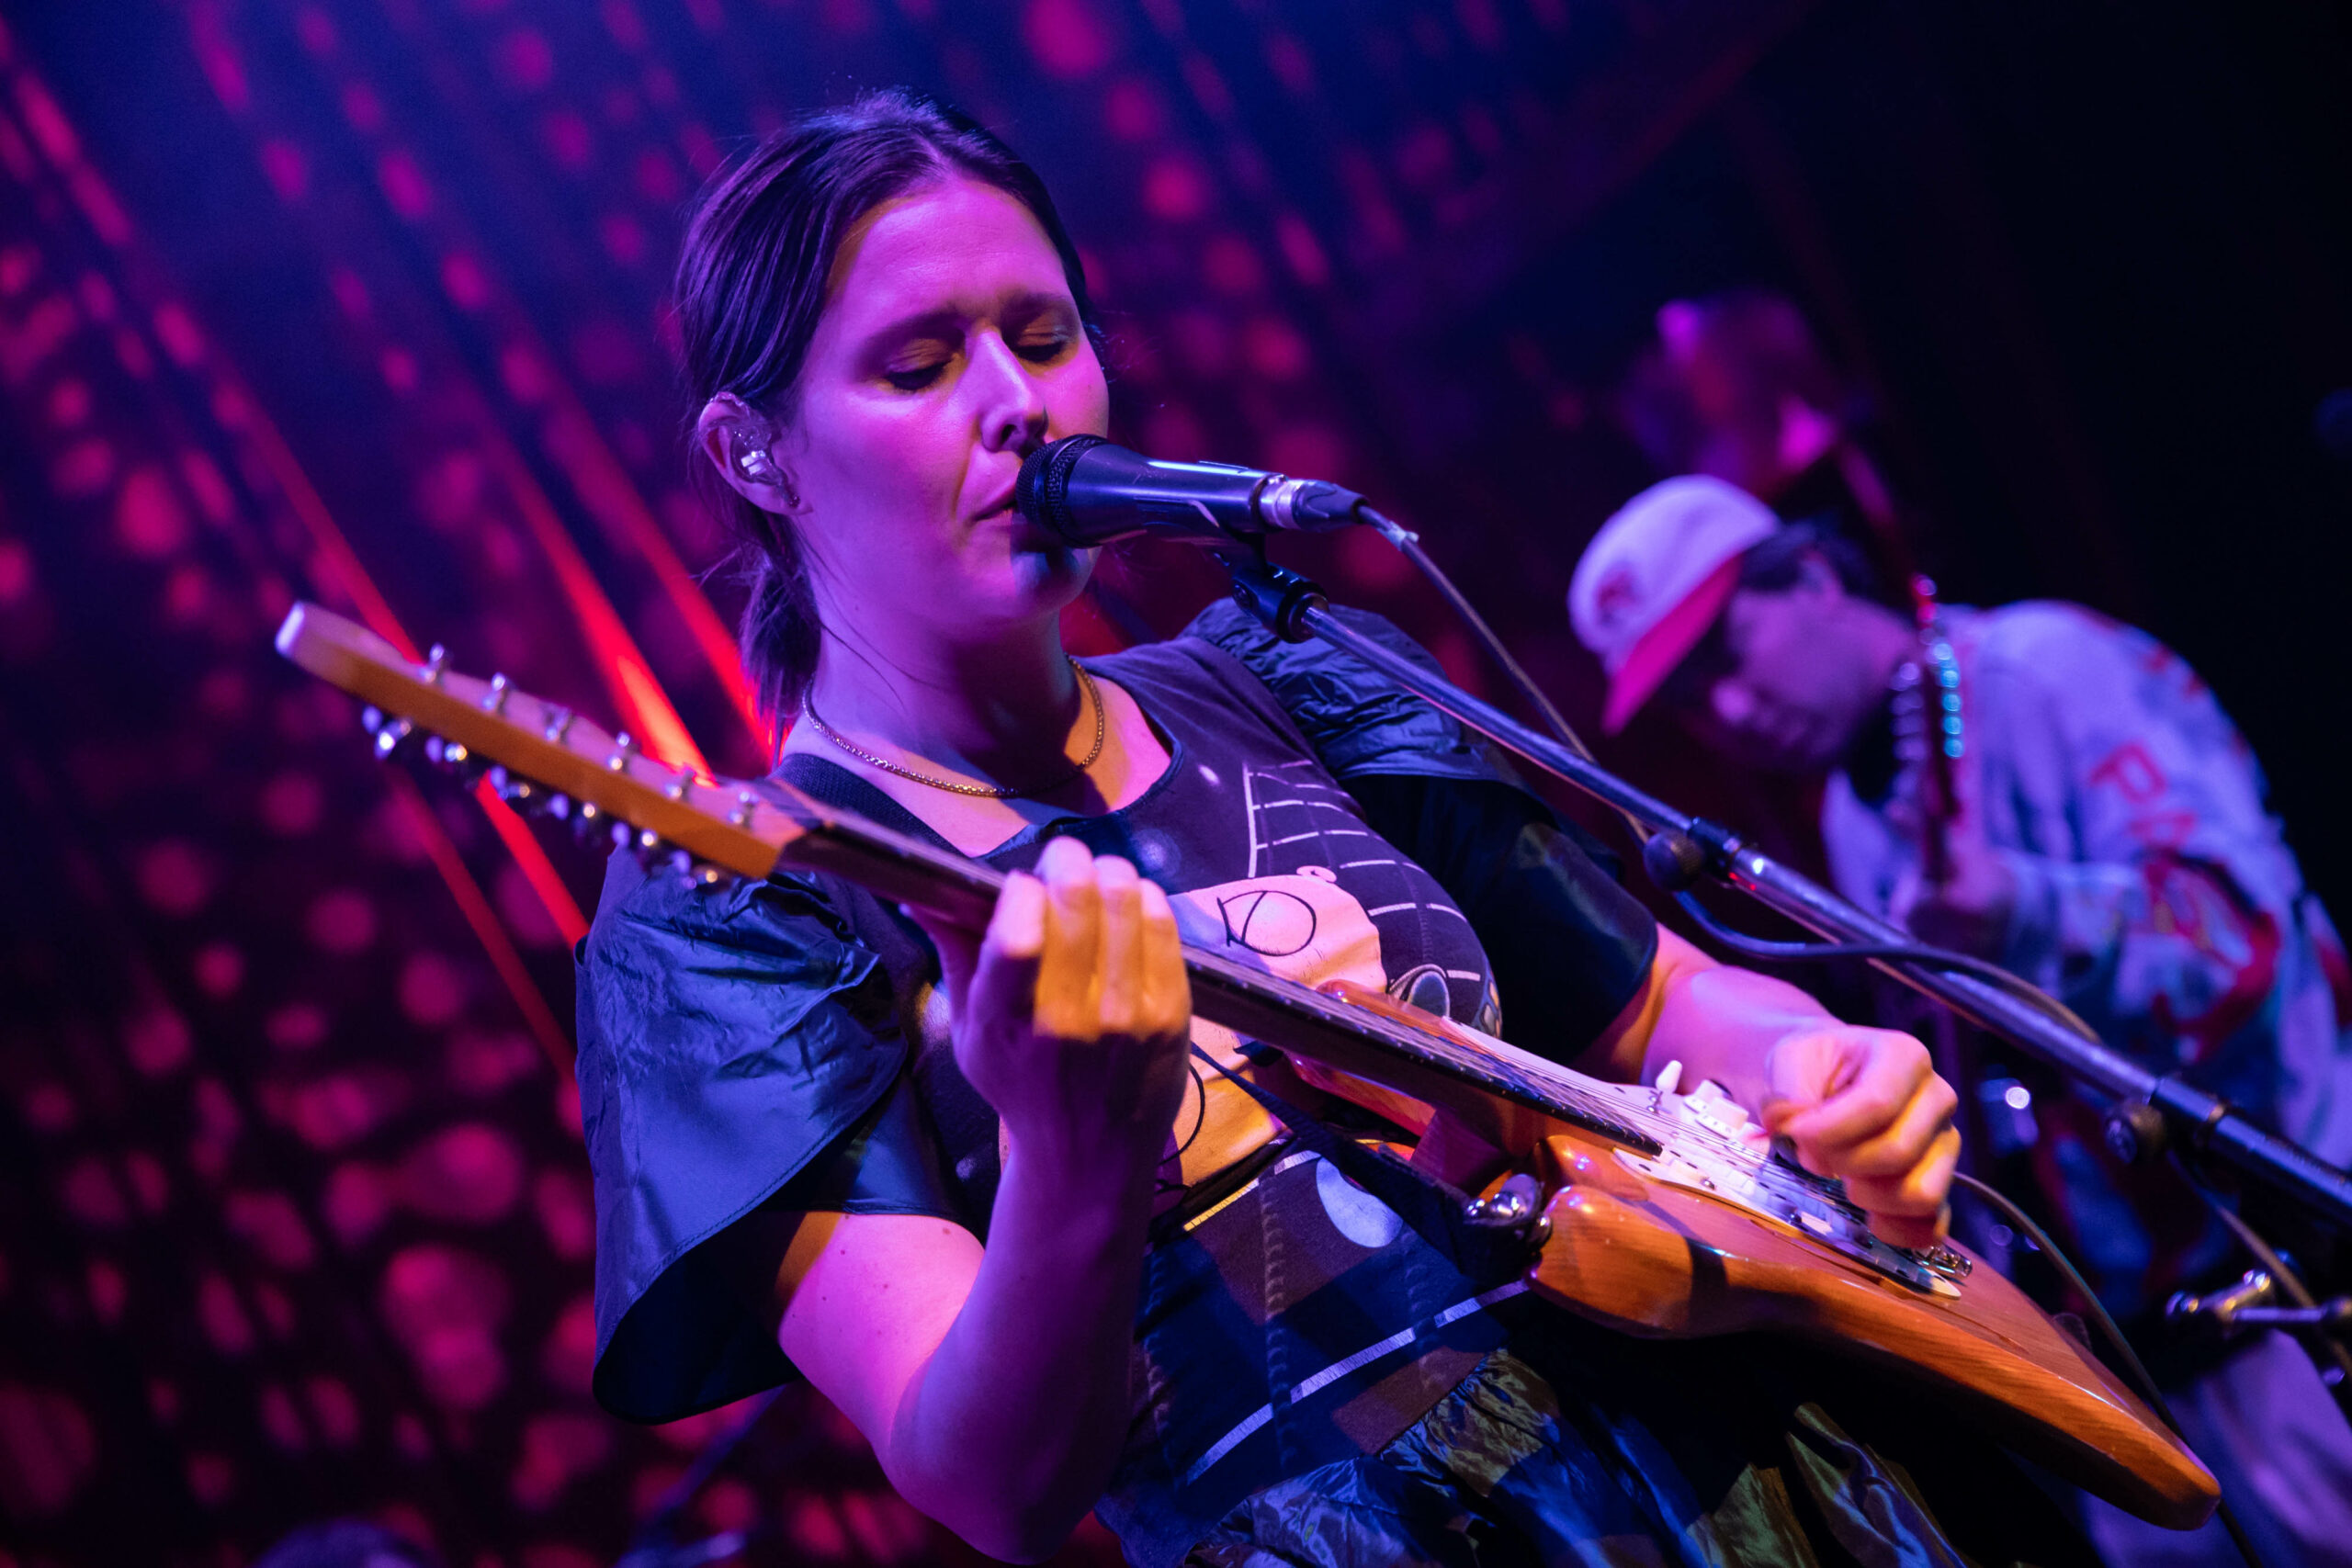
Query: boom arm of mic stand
x=2203 y=1121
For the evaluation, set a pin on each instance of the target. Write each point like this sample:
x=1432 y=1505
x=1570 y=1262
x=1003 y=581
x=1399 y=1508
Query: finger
x=1122 y=979
x=958 y=949
x=1069 y=966
x=1906 y=1142
x=1918 y=1193
x=1168 y=989
x=1017 y=924
x=1003 y=977
x=1917 y=1232
x=1891 y=1070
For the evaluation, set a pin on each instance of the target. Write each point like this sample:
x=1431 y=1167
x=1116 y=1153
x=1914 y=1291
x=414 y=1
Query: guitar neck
x=545 y=759
x=1420 y=1061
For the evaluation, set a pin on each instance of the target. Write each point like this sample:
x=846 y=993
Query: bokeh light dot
x=335 y=1410
x=223 y=1316
x=342 y=920
x=292 y=804
x=1175 y=188
x=219 y=968
x=1069 y=39
x=157 y=1040
x=297 y=1026
x=469 y=1174
x=432 y=990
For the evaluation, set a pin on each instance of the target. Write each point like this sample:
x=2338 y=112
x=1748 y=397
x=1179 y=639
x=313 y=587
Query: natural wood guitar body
x=1651 y=1259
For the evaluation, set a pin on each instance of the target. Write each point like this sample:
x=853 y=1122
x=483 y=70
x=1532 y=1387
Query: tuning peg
x=389 y=733
x=647 y=841
x=708 y=874
x=494 y=699
x=559 y=722
x=623 y=750
x=456 y=757
x=745 y=803
x=521 y=794
x=435 y=661
x=585 y=818
x=371 y=719
x=557 y=806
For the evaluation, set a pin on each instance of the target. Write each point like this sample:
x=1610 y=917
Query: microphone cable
x=1408 y=545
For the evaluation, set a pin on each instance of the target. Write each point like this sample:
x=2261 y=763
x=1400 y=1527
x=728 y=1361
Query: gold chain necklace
x=993 y=792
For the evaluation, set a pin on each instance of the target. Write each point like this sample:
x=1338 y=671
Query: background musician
x=2110 y=843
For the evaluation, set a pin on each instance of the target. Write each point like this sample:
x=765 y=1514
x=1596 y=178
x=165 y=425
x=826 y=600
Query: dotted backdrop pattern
x=365 y=305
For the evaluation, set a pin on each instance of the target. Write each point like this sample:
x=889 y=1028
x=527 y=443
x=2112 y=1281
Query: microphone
x=1089 y=492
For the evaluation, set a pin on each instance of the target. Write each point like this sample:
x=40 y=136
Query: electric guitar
x=1661 y=1213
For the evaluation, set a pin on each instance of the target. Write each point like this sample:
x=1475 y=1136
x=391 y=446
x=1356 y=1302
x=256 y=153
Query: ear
x=740 y=443
x=1818 y=579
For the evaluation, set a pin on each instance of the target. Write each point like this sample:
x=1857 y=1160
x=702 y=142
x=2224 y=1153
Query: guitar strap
x=1434 y=1209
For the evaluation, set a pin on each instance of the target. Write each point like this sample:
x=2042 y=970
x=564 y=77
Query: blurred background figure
x=2097 y=825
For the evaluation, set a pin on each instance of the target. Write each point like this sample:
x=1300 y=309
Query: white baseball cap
x=1655 y=577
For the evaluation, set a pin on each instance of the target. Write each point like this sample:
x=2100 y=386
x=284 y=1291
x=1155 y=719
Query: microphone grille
x=1042 y=493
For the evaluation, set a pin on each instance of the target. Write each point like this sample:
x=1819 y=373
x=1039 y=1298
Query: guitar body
x=1653 y=1259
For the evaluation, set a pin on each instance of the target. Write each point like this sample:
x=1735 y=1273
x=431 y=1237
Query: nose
x=1012 y=397
x=1732 y=703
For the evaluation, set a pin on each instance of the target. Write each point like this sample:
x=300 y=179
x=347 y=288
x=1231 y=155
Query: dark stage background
x=361 y=300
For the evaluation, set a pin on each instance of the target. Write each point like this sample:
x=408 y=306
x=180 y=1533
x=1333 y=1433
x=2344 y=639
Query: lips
x=1002 y=502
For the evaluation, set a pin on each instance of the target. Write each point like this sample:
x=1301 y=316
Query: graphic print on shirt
x=1301 y=825
x=1324 y=899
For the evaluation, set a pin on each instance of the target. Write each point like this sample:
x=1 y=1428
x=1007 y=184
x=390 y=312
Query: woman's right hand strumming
x=993 y=1382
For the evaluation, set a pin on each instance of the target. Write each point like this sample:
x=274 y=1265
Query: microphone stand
x=2153 y=1111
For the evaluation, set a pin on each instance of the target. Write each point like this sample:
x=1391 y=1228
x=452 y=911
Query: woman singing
x=974 y=1186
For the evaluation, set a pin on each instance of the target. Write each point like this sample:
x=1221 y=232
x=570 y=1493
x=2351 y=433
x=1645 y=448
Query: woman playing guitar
x=977 y=1186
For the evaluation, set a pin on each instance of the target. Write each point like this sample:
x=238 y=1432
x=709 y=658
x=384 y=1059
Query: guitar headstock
x=543 y=758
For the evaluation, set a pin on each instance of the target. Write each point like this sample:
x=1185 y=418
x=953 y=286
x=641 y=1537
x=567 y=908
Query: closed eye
x=915 y=378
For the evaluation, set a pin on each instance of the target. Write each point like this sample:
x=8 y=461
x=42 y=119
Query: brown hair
x=751 y=288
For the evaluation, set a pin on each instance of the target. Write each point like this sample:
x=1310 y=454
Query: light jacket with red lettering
x=2156 y=896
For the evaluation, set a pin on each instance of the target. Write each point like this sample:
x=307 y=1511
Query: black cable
x=1993 y=975
x=1408 y=545
x=2133 y=1367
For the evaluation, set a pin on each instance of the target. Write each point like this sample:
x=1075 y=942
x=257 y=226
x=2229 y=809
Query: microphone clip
x=1279 y=597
